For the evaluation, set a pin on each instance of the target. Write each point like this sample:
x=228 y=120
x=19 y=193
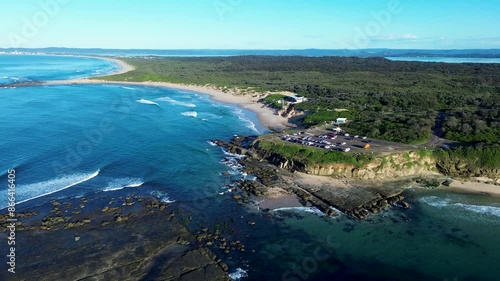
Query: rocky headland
x=357 y=191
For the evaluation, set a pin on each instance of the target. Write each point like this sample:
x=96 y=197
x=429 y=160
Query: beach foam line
x=190 y=114
x=176 y=102
x=248 y=123
x=147 y=102
x=41 y=189
x=121 y=183
x=238 y=274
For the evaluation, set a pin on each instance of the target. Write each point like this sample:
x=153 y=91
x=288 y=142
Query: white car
x=347 y=149
x=344 y=143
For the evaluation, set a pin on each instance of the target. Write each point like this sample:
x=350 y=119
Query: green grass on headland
x=275 y=100
x=311 y=155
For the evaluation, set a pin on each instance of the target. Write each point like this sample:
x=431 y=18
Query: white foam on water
x=190 y=114
x=233 y=154
x=121 y=183
x=147 y=102
x=248 y=123
x=311 y=210
x=44 y=188
x=175 y=102
x=250 y=178
x=447 y=203
x=435 y=201
x=488 y=210
x=238 y=274
x=162 y=196
x=129 y=88
x=211 y=116
x=212 y=143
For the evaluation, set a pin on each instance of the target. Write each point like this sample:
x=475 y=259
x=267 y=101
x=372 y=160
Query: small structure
x=341 y=120
x=295 y=99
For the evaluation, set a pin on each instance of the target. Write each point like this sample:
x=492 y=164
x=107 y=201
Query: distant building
x=295 y=99
x=341 y=120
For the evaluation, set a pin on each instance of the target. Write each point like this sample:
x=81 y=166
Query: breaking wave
x=36 y=190
x=175 y=102
x=190 y=114
x=147 y=102
x=117 y=184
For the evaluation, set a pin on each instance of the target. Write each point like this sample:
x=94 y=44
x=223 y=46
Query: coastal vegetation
x=311 y=155
x=275 y=100
x=398 y=101
x=390 y=100
x=479 y=156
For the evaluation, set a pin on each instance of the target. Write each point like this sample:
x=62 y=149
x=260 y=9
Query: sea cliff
x=370 y=183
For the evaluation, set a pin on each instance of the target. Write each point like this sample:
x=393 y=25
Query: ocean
x=70 y=141
x=446 y=59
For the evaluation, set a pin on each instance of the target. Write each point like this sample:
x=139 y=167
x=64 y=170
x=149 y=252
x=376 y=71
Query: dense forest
x=392 y=100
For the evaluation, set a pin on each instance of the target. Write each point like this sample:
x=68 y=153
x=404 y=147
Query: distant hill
x=471 y=53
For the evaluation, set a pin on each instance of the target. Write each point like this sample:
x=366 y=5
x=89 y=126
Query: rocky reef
x=129 y=238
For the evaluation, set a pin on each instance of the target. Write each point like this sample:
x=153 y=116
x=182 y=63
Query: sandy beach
x=475 y=187
x=266 y=115
x=124 y=67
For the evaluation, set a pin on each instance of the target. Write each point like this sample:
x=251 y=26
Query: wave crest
x=121 y=183
x=147 y=102
x=176 y=102
x=36 y=190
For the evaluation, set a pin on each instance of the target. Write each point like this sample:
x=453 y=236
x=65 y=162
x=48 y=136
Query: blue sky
x=250 y=24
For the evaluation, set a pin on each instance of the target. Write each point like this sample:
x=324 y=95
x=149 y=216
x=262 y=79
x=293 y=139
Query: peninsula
x=408 y=113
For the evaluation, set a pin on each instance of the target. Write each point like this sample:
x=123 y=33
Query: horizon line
x=258 y=49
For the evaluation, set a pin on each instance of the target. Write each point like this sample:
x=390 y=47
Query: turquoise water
x=446 y=59
x=74 y=140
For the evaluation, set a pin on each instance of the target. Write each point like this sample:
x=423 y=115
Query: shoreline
x=124 y=67
x=265 y=115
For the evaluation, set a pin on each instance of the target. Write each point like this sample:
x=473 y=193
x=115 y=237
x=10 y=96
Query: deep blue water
x=74 y=140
